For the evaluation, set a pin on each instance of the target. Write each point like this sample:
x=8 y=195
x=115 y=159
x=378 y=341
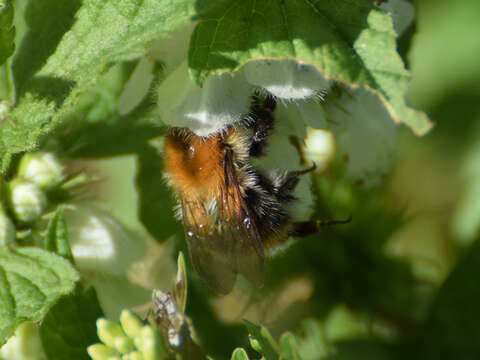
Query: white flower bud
x=319 y=147
x=42 y=169
x=286 y=79
x=28 y=200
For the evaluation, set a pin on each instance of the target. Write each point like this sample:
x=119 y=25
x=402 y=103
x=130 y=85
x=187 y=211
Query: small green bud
x=134 y=355
x=28 y=200
x=42 y=169
x=239 y=354
x=101 y=352
x=131 y=324
x=149 y=344
x=108 y=331
x=255 y=344
x=7 y=230
x=123 y=344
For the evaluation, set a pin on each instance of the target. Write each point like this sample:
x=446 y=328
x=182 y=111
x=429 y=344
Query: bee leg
x=285 y=183
x=261 y=121
x=306 y=171
x=305 y=228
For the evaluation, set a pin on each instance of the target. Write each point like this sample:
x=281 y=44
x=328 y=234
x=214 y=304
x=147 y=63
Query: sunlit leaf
x=31 y=281
x=74 y=54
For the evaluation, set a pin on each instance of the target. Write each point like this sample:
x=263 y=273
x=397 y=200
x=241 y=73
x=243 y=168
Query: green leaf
x=47 y=23
x=31 y=281
x=56 y=239
x=101 y=33
x=239 y=354
x=453 y=321
x=288 y=347
x=262 y=341
x=7 y=30
x=88 y=131
x=69 y=326
x=155 y=199
x=351 y=42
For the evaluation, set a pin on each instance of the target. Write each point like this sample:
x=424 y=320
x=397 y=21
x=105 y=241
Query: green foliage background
x=399 y=281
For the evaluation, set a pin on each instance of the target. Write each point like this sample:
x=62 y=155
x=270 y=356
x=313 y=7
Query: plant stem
x=10 y=83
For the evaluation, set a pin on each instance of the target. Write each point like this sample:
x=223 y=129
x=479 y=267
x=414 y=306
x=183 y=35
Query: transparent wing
x=211 y=254
x=224 y=240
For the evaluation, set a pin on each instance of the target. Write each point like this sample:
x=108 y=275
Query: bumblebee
x=231 y=211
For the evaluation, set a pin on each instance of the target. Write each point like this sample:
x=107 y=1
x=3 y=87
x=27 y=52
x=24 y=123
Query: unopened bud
x=319 y=147
x=131 y=324
x=101 y=352
x=123 y=344
x=28 y=200
x=42 y=169
x=149 y=343
x=108 y=331
x=134 y=355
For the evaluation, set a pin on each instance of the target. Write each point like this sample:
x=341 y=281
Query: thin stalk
x=10 y=83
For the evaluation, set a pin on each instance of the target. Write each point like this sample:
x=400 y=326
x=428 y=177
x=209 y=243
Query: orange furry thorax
x=194 y=163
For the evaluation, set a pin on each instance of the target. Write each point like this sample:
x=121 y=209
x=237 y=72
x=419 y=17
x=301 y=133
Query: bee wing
x=241 y=228
x=211 y=253
x=224 y=241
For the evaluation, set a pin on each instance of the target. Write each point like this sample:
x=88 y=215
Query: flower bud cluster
x=128 y=340
x=32 y=193
x=37 y=174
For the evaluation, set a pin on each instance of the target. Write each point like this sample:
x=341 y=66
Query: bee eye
x=191 y=150
x=258 y=136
